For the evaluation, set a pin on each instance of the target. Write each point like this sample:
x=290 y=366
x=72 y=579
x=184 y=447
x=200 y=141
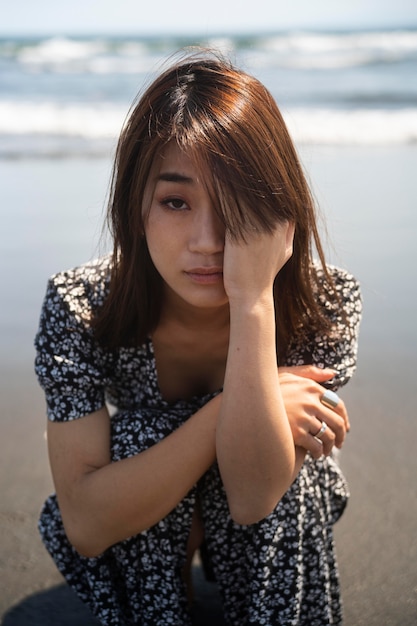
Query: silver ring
x=330 y=399
x=321 y=431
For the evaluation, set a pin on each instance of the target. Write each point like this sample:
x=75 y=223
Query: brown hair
x=229 y=122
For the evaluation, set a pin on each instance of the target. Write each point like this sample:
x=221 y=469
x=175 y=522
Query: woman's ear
x=290 y=238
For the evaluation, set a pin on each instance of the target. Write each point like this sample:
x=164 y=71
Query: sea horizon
x=204 y=32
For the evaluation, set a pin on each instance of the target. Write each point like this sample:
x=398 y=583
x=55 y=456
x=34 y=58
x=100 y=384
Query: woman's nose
x=208 y=232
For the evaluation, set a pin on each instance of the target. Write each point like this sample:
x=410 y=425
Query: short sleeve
x=68 y=360
x=338 y=348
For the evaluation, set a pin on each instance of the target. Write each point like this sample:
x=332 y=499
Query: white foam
x=64 y=55
x=60 y=50
x=353 y=127
x=103 y=121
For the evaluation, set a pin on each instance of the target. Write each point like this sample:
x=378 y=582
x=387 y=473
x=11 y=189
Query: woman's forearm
x=118 y=500
x=254 y=444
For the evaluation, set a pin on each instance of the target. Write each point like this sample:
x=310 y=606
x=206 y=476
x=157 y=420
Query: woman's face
x=184 y=234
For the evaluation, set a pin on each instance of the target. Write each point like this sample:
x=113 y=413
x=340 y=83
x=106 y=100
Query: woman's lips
x=205 y=275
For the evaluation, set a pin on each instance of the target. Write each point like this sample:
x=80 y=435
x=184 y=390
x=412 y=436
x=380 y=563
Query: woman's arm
x=254 y=445
x=103 y=502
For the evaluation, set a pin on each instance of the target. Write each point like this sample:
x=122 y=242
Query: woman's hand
x=250 y=267
x=302 y=394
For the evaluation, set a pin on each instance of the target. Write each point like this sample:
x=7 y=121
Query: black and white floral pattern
x=280 y=571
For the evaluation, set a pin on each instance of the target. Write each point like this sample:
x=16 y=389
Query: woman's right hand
x=301 y=391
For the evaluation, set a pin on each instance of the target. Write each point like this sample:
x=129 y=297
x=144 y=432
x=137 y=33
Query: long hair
x=231 y=126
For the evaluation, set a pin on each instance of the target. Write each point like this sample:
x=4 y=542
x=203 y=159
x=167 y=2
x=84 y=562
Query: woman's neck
x=176 y=313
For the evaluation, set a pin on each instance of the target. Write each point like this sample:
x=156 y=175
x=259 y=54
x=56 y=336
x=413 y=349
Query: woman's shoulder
x=339 y=296
x=347 y=287
x=82 y=287
x=339 y=275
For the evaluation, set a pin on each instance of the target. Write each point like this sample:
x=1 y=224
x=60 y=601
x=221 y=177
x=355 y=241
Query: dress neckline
x=196 y=399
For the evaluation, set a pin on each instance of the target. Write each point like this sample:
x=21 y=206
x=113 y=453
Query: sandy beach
x=51 y=220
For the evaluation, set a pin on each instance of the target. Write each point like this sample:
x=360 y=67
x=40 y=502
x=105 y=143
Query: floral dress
x=279 y=571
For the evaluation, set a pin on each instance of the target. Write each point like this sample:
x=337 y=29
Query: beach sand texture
x=51 y=216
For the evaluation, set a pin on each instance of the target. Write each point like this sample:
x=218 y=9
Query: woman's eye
x=176 y=204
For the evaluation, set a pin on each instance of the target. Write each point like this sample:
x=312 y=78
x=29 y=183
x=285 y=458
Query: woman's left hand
x=250 y=267
x=302 y=392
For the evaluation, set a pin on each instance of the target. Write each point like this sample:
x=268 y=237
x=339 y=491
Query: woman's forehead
x=177 y=164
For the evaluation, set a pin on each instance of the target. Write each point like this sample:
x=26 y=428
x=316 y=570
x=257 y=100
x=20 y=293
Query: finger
x=339 y=409
x=316 y=445
x=318 y=374
x=336 y=420
x=342 y=412
x=324 y=436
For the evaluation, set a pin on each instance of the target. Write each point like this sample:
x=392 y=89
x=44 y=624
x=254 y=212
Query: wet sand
x=373 y=217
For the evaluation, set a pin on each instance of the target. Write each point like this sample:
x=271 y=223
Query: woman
x=212 y=332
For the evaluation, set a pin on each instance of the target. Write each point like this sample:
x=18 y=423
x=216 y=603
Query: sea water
x=70 y=95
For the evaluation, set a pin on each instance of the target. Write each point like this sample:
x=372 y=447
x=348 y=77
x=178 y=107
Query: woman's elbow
x=247 y=513
x=87 y=549
x=87 y=542
x=250 y=507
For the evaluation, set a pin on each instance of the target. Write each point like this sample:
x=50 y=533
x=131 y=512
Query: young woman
x=212 y=333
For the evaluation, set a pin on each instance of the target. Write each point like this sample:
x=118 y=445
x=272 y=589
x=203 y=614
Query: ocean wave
x=296 y=50
x=91 y=121
x=94 y=56
x=45 y=129
x=371 y=127
x=329 y=51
